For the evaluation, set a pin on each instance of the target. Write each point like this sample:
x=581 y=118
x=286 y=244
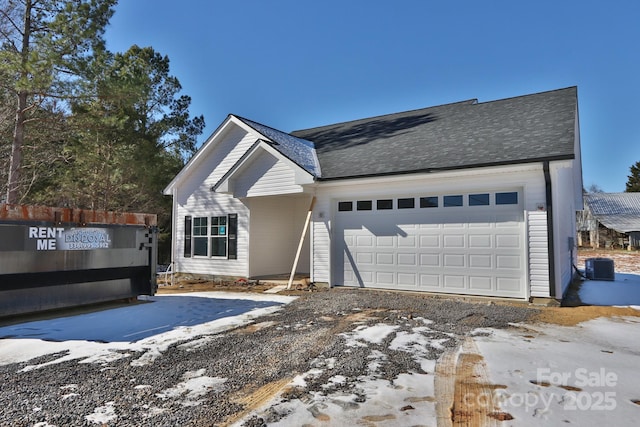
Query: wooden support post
x=301 y=243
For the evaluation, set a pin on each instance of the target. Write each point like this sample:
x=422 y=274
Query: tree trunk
x=15 y=166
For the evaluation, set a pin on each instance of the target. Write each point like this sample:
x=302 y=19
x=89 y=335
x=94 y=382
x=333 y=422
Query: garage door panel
x=508 y=241
x=430 y=241
x=407 y=242
x=407 y=259
x=385 y=241
x=480 y=283
x=364 y=241
x=385 y=278
x=454 y=260
x=385 y=258
x=508 y=284
x=365 y=258
x=455 y=282
x=407 y=279
x=482 y=241
x=430 y=280
x=508 y=261
x=454 y=241
x=480 y=261
x=430 y=260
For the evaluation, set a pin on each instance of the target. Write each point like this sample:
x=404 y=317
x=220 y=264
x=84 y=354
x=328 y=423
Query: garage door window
x=345 y=206
x=364 y=205
x=384 y=204
x=479 y=199
x=510 y=198
x=429 y=202
x=406 y=203
x=452 y=201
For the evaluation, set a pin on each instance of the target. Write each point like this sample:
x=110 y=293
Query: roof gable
x=465 y=134
x=296 y=150
x=253 y=162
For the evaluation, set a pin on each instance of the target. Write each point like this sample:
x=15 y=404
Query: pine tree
x=633 y=183
x=44 y=46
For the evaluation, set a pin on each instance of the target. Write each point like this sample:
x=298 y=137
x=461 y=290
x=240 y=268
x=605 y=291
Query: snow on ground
x=149 y=327
x=409 y=399
x=584 y=375
x=623 y=291
x=552 y=375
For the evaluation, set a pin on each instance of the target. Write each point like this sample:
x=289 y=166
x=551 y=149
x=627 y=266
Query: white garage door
x=462 y=244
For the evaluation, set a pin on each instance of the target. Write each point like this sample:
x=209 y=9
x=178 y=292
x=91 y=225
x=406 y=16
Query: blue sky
x=299 y=64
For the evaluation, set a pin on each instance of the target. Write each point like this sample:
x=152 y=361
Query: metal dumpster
x=60 y=257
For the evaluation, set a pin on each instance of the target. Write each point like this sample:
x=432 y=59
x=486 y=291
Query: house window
x=479 y=199
x=451 y=201
x=219 y=236
x=510 y=198
x=429 y=202
x=364 y=205
x=408 y=203
x=384 y=204
x=214 y=236
x=345 y=206
x=200 y=237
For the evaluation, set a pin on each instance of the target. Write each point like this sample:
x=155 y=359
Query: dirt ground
x=623 y=261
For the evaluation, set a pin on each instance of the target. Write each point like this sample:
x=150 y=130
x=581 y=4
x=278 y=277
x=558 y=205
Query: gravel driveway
x=245 y=367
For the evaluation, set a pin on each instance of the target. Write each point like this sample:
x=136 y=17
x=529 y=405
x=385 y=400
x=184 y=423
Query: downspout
x=550 y=232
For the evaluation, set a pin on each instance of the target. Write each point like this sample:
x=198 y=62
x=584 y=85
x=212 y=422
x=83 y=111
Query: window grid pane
x=452 y=201
x=200 y=246
x=429 y=202
x=218 y=246
x=384 y=204
x=345 y=206
x=406 y=203
x=364 y=205
x=510 y=198
x=479 y=199
x=200 y=226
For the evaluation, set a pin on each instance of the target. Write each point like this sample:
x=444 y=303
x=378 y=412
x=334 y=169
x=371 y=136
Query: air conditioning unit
x=599 y=269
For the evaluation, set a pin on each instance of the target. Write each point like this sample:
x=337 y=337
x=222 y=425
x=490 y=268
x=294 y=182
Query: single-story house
x=610 y=220
x=473 y=198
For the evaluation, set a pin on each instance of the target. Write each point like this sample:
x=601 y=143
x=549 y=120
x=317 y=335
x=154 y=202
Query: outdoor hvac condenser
x=59 y=257
x=599 y=269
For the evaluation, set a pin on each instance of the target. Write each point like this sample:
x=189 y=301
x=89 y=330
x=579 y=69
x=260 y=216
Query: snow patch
x=102 y=414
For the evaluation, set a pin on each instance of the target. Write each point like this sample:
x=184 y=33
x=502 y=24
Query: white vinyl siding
x=276 y=227
x=265 y=175
x=564 y=213
x=195 y=198
x=538 y=253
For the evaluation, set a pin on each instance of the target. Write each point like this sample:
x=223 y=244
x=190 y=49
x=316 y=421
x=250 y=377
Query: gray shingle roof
x=296 y=149
x=453 y=136
x=618 y=211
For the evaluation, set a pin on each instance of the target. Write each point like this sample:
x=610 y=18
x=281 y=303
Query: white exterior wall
x=276 y=227
x=529 y=179
x=194 y=197
x=564 y=223
x=265 y=175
